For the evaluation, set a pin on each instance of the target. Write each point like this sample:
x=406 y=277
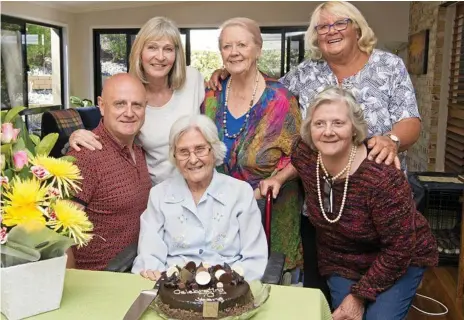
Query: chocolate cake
x=203 y=292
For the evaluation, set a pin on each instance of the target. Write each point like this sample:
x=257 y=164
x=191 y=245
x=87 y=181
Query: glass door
x=13 y=75
x=295 y=50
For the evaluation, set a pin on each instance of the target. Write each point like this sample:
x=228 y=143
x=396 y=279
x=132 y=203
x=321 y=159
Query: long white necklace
x=247 y=115
x=347 y=169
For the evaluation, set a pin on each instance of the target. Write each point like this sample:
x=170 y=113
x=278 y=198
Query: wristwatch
x=394 y=138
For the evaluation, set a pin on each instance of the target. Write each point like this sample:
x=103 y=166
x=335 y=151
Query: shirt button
x=200 y=251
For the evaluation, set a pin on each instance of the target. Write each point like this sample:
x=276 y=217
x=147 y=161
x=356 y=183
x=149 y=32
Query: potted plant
x=38 y=221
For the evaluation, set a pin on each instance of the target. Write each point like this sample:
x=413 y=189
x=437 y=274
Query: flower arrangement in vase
x=38 y=220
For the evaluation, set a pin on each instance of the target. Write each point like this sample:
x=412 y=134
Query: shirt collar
x=107 y=136
x=178 y=189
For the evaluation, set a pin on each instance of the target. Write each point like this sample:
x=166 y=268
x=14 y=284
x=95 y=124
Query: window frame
x=97 y=32
x=23 y=22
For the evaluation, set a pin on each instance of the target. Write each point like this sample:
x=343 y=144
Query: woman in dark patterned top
x=373 y=245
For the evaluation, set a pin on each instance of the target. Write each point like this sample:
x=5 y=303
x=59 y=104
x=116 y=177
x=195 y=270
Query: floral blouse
x=264 y=146
x=382 y=87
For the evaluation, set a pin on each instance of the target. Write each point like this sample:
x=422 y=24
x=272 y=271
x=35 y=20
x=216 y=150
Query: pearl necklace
x=247 y=115
x=345 y=190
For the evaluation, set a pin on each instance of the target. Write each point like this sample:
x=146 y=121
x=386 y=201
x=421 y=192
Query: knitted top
x=380 y=233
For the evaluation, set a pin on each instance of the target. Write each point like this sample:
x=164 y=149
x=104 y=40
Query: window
x=454 y=149
x=283 y=49
x=31 y=68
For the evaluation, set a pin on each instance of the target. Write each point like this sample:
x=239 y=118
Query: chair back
x=90 y=116
x=64 y=122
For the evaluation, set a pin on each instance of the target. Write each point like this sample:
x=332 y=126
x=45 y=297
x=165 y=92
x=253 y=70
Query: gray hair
x=355 y=113
x=342 y=9
x=248 y=24
x=206 y=127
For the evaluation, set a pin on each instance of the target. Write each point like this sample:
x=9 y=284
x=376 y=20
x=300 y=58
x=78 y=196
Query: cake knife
x=142 y=302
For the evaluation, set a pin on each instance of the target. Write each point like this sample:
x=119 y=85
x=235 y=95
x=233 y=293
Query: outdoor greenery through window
x=283 y=49
x=31 y=68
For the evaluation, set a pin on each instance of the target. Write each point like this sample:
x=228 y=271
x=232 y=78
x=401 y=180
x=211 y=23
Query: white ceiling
x=88 y=6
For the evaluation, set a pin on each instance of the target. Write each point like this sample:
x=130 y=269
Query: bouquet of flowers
x=38 y=221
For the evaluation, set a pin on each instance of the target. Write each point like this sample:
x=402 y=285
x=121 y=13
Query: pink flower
x=4 y=181
x=20 y=159
x=15 y=134
x=7 y=132
x=3 y=236
x=40 y=172
x=53 y=192
x=53 y=216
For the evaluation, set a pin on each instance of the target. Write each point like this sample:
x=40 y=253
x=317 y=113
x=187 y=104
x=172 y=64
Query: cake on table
x=203 y=292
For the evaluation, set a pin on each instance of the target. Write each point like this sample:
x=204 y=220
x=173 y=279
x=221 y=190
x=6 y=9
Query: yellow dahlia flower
x=27 y=192
x=65 y=173
x=26 y=214
x=67 y=219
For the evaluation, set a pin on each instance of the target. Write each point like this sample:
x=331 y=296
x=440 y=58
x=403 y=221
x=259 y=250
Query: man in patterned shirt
x=116 y=182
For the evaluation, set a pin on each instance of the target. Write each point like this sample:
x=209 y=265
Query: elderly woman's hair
x=156 y=29
x=250 y=25
x=206 y=127
x=341 y=9
x=355 y=113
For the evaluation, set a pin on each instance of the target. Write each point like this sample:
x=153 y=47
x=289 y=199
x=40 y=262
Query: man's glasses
x=328 y=195
x=184 y=154
x=338 y=25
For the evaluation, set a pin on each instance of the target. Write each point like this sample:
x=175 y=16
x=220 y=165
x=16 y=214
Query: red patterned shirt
x=380 y=232
x=115 y=193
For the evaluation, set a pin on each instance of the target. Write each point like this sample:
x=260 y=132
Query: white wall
x=37 y=13
x=389 y=20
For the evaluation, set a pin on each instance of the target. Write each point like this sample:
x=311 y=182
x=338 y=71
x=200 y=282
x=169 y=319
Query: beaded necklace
x=347 y=169
x=247 y=115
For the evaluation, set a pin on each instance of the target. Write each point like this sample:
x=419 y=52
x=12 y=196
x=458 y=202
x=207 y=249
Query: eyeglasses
x=338 y=25
x=184 y=154
x=328 y=195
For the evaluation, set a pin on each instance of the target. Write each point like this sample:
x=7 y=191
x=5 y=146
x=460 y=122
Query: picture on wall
x=418 y=50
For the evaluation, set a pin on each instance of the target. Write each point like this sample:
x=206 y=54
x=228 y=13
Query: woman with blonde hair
x=173 y=90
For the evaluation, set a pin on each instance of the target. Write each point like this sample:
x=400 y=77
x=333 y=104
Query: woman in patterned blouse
x=257 y=118
x=373 y=245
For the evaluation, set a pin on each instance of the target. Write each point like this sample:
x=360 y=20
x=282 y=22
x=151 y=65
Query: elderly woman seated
x=373 y=245
x=199 y=214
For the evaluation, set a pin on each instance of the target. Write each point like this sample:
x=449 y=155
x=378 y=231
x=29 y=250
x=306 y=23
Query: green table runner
x=106 y=295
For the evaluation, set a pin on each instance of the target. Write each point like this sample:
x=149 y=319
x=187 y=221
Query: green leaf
x=25 y=173
x=9 y=173
x=19 y=145
x=76 y=101
x=12 y=114
x=68 y=158
x=47 y=144
x=19 y=123
x=35 y=139
x=3 y=115
x=5 y=149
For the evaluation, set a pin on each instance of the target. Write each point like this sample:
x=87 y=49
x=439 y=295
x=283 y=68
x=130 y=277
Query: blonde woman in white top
x=173 y=90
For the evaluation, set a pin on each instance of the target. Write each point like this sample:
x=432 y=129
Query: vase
x=32 y=288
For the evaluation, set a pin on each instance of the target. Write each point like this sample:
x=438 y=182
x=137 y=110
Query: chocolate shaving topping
x=186 y=276
x=191 y=266
x=225 y=278
x=227 y=267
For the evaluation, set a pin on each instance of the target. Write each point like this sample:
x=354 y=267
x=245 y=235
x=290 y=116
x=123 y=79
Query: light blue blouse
x=225 y=227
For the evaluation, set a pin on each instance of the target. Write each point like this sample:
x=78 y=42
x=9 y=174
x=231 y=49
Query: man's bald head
x=122 y=105
x=112 y=84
